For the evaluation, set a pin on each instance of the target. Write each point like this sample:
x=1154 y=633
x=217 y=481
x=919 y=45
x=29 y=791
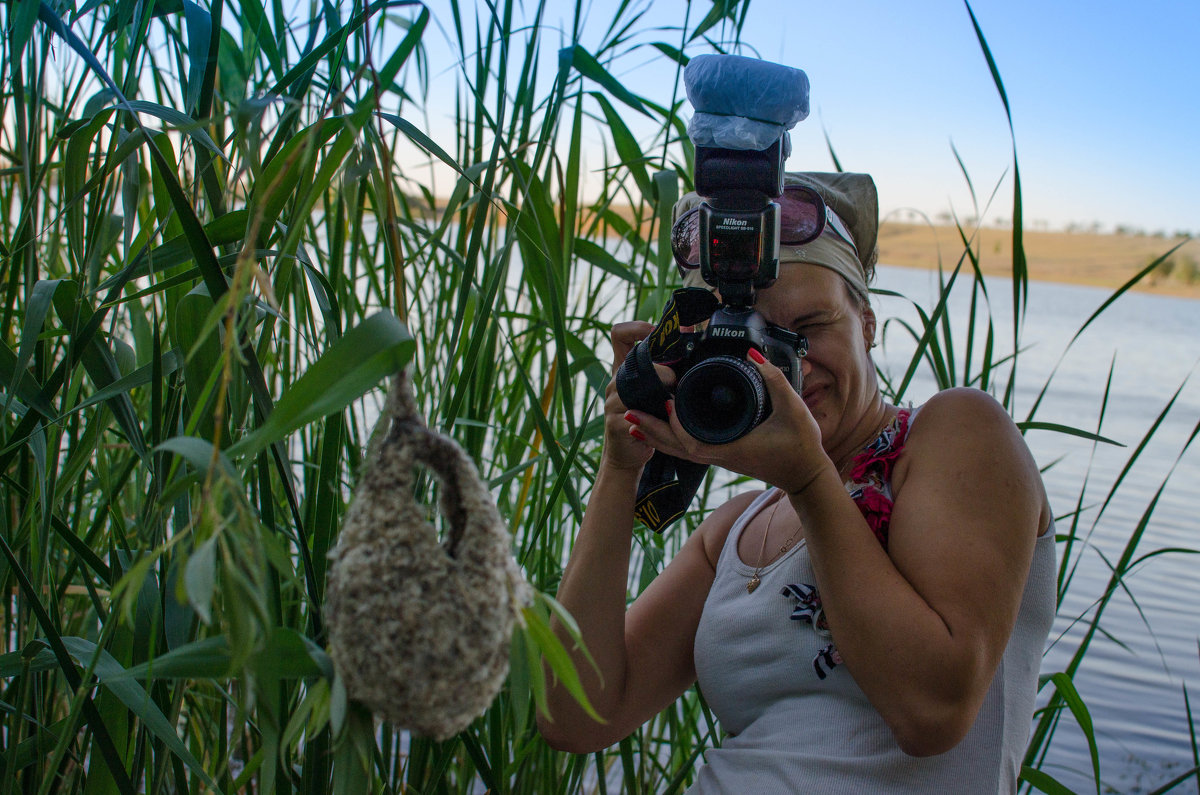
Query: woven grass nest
x=419 y=629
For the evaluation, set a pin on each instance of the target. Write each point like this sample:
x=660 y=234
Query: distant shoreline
x=1093 y=259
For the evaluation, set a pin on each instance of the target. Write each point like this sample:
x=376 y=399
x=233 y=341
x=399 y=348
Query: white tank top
x=798 y=722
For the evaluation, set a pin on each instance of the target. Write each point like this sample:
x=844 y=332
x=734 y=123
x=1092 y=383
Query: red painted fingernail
x=636 y=434
x=632 y=418
x=756 y=356
x=668 y=405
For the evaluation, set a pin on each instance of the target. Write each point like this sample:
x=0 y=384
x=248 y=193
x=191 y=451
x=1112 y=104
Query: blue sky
x=1105 y=100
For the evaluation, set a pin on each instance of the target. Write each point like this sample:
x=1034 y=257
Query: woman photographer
x=871 y=622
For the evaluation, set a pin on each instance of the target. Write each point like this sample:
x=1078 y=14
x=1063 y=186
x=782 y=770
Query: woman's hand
x=624 y=445
x=785 y=450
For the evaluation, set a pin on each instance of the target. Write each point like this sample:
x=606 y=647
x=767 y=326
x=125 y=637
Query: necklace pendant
x=754 y=581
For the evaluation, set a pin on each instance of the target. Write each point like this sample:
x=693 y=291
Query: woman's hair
x=869 y=272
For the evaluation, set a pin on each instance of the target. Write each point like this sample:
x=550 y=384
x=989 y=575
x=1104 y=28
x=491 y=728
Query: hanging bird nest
x=419 y=630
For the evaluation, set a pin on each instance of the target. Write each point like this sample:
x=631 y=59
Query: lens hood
x=721 y=399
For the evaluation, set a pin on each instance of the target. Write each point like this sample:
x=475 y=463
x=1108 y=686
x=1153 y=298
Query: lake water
x=1133 y=677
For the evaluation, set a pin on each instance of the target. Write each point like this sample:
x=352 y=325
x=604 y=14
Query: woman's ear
x=868 y=319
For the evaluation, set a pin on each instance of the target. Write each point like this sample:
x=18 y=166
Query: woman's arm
x=643 y=655
x=921 y=626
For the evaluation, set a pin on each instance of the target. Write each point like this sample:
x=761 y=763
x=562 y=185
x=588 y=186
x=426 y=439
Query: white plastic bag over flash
x=743 y=103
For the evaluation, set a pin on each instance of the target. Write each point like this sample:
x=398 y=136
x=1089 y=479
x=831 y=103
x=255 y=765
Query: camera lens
x=721 y=399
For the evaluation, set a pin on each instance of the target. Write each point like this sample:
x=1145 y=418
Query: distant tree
x=1164 y=270
x=1189 y=270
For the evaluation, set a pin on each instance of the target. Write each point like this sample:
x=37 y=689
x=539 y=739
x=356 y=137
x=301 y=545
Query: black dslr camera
x=734 y=235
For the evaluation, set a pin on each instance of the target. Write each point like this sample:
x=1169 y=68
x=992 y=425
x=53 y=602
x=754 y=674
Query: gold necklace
x=754 y=580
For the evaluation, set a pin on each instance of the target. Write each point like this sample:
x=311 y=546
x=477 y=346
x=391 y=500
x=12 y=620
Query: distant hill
x=1102 y=260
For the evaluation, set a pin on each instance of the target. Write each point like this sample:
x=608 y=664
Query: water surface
x=1135 y=671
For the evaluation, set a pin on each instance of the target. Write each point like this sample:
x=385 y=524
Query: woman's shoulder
x=966 y=424
x=965 y=437
x=964 y=412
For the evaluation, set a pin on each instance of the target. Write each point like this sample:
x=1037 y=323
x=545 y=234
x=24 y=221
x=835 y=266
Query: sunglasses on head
x=803 y=216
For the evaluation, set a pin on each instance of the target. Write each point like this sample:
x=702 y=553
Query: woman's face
x=840 y=385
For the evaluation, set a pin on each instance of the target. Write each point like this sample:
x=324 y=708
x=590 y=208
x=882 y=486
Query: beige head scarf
x=853 y=198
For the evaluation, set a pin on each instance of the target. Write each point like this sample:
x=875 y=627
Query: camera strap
x=668 y=484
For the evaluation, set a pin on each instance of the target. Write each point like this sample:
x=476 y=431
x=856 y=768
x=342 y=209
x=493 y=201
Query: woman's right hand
x=622 y=447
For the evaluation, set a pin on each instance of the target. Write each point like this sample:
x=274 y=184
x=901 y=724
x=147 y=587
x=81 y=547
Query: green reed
x=211 y=257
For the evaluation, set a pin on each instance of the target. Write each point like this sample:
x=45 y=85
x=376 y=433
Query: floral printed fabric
x=870 y=479
x=869 y=485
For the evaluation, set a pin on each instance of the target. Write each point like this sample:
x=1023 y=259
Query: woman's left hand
x=784 y=450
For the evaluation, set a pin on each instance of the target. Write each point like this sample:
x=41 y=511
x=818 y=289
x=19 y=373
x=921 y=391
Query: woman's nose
x=805 y=367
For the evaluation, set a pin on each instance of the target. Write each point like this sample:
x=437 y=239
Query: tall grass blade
x=110 y=672
x=103 y=739
x=1044 y=782
x=364 y=355
x=1020 y=267
x=1108 y=302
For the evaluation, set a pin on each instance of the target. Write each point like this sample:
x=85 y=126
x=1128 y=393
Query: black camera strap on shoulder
x=668 y=484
